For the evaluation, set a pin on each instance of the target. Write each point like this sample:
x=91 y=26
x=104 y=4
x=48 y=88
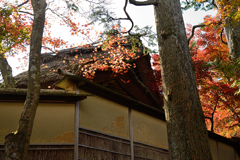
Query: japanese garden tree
x=186 y=129
x=17 y=143
x=18 y=30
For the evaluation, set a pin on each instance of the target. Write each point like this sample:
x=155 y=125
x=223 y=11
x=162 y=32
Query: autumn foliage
x=214 y=76
x=14 y=29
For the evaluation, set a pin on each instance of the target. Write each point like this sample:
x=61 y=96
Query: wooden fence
x=94 y=145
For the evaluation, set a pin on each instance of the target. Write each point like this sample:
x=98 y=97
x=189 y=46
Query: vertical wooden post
x=76 y=131
x=219 y=158
x=131 y=133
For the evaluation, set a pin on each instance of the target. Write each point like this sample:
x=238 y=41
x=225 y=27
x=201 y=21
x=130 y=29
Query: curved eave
x=19 y=95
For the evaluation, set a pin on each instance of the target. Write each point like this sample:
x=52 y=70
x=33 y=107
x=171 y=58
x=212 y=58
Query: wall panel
x=54 y=122
x=105 y=116
x=149 y=130
x=226 y=151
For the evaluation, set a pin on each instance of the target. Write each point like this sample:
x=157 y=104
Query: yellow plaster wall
x=99 y=114
x=226 y=151
x=213 y=146
x=150 y=130
x=54 y=122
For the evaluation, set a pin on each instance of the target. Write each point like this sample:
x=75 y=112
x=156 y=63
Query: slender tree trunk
x=6 y=71
x=232 y=32
x=17 y=143
x=233 y=40
x=187 y=133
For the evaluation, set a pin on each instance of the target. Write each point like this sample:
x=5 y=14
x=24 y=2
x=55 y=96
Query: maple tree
x=218 y=95
x=214 y=77
x=229 y=17
x=223 y=59
x=115 y=56
x=16 y=30
x=14 y=33
x=186 y=128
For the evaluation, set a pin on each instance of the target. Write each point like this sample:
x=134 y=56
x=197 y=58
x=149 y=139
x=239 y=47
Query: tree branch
x=214 y=4
x=23 y=3
x=26 y=12
x=212 y=114
x=193 y=29
x=201 y=25
x=83 y=64
x=129 y=18
x=143 y=3
x=49 y=49
x=221 y=37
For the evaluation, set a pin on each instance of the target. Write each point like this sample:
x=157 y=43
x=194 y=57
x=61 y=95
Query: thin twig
x=23 y=3
x=143 y=3
x=26 y=13
x=101 y=2
x=49 y=49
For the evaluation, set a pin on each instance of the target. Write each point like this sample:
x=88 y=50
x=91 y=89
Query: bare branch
x=212 y=115
x=58 y=15
x=129 y=18
x=221 y=37
x=187 y=2
x=193 y=29
x=214 y=4
x=26 y=12
x=23 y=3
x=201 y=25
x=49 y=49
x=100 y=2
x=143 y=3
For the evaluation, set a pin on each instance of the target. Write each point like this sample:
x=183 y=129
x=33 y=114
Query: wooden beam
x=219 y=158
x=131 y=133
x=76 y=132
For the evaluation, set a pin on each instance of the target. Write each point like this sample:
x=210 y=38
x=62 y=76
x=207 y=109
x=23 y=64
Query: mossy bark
x=6 y=71
x=17 y=143
x=187 y=133
x=233 y=40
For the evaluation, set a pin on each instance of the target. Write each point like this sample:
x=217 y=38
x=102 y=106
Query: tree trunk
x=17 y=143
x=6 y=71
x=233 y=40
x=232 y=32
x=187 y=133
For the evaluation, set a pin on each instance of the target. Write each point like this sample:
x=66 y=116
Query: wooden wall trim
x=131 y=133
x=76 y=134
